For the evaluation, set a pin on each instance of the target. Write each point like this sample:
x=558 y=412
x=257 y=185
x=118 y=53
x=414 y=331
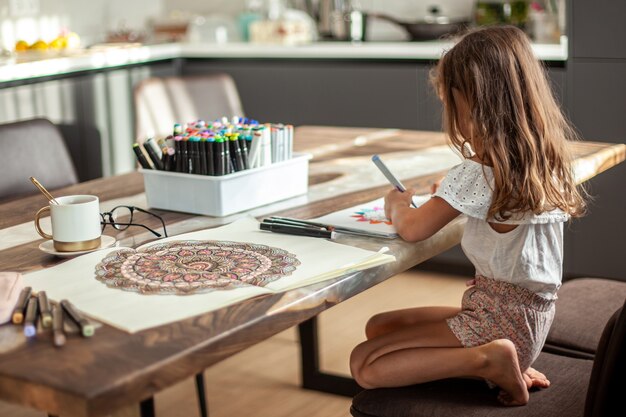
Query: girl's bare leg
x=391 y=321
x=430 y=352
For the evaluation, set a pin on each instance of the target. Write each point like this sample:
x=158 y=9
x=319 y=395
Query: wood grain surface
x=114 y=370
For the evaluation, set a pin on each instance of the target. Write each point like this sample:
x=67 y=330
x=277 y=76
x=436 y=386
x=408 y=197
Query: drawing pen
x=297 y=230
x=86 y=328
x=20 y=308
x=58 y=335
x=390 y=177
x=44 y=309
x=140 y=157
x=30 y=321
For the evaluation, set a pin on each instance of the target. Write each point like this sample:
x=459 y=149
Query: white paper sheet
x=367 y=217
x=75 y=279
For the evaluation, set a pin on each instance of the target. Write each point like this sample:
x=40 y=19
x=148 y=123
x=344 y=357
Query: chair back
x=605 y=395
x=33 y=148
x=161 y=102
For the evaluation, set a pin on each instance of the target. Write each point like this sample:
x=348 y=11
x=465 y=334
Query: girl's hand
x=395 y=198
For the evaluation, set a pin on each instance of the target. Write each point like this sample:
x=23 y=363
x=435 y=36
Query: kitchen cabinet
x=367 y=94
x=598 y=28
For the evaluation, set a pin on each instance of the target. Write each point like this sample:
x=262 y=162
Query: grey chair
x=161 y=102
x=33 y=148
x=583 y=306
x=579 y=388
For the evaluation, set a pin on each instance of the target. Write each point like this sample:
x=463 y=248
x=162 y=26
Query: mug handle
x=37 y=226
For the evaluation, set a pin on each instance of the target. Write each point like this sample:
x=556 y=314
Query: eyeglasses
x=119 y=212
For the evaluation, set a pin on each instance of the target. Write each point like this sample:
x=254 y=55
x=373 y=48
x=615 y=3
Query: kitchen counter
x=45 y=65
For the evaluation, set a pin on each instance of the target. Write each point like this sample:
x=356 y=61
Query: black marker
x=86 y=328
x=44 y=309
x=219 y=154
x=178 y=154
x=297 y=230
x=156 y=161
x=209 y=144
x=203 y=148
x=140 y=157
x=20 y=307
x=244 y=151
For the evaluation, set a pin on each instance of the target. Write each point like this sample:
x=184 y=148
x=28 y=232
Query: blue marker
x=30 y=321
x=390 y=177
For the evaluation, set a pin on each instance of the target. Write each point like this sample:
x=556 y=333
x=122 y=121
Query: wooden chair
x=583 y=306
x=161 y=102
x=33 y=148
x=580 y=388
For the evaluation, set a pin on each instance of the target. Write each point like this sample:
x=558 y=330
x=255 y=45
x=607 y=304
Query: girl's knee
x=375 y=325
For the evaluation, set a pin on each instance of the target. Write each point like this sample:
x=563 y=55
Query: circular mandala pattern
x=195 y=266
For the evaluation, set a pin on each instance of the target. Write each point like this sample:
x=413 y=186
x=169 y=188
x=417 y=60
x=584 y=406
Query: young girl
x=516 y=188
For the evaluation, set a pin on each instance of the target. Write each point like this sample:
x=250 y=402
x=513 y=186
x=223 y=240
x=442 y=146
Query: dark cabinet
x=299 y=92
x=598 y=28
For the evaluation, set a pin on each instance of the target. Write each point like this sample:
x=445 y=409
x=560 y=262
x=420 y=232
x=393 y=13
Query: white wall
x=89 y=18
x=410 y=10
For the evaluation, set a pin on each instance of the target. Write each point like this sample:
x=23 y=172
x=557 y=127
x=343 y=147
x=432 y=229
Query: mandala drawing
x=195 y=266
x=373 y=215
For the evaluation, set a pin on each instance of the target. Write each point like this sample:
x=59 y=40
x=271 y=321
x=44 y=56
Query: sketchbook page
x=367 y=217
x=130 y=311
x=320 y=259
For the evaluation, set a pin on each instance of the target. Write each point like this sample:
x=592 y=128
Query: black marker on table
x=86 y=328
x=297 y=230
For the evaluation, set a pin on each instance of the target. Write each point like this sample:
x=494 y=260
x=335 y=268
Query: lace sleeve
x=467 y=187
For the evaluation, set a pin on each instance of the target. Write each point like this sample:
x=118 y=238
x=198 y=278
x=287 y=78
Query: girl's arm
x=416 y=224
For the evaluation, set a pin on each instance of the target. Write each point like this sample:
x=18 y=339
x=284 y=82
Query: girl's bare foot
x=502 y=368
x=535 y=379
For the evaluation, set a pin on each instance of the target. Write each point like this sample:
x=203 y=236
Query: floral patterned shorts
x=493 y=309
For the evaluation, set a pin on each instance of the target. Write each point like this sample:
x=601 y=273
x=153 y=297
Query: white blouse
x=531 y=255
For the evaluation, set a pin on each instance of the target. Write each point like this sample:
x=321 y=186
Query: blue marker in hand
x=390 y=177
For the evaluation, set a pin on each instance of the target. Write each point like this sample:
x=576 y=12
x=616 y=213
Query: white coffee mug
x=75 y=223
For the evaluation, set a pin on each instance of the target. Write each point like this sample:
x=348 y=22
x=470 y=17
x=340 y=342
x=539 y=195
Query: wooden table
x=114 y=371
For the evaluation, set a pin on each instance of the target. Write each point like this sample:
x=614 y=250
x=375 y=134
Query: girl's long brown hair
x=517 y=126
